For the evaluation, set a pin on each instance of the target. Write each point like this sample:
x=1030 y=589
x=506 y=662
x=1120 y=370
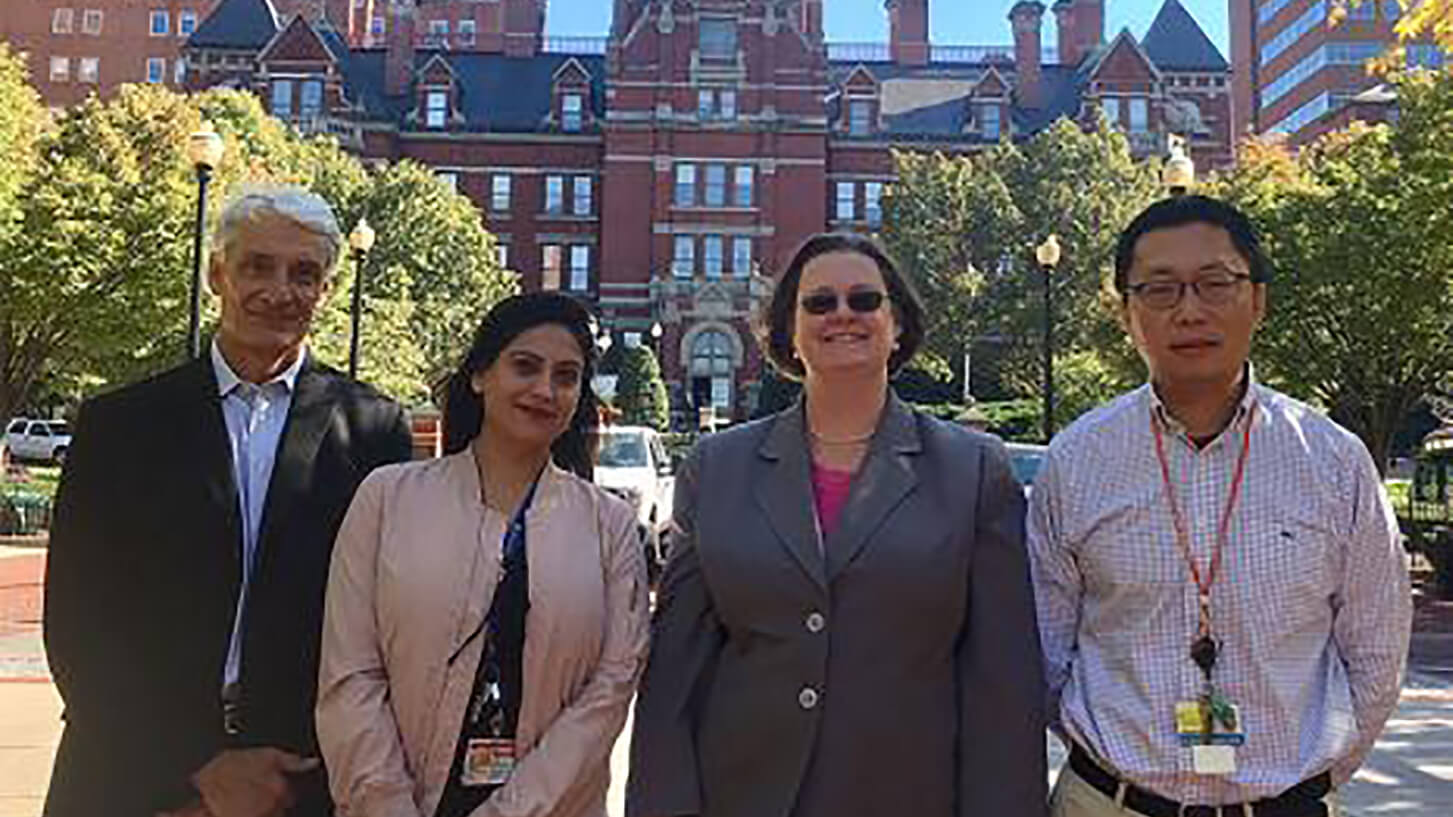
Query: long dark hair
x=464 y=410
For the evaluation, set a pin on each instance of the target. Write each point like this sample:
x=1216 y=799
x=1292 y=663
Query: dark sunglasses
x=862 y=301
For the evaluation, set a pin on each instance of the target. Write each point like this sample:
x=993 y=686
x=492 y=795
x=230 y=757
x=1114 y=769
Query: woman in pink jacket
x=487 y=613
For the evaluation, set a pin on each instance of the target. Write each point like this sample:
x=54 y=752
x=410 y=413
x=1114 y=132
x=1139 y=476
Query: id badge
x=1213 y=759
x=1216 y=724
x=488 y=762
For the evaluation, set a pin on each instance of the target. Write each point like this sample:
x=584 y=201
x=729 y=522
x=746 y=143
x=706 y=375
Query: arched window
x=711 y=369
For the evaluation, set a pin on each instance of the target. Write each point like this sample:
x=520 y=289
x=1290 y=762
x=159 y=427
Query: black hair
x=1181 y=210
x=464 y=410
x=776 y=330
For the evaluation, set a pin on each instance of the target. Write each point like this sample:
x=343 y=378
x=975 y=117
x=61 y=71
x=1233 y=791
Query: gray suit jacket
x=894 y=670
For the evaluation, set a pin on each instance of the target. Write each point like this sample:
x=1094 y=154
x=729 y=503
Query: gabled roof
x=299 y=33
x=241 y=24
x=496 y=93
x=1176 y=42
x=1124 y=40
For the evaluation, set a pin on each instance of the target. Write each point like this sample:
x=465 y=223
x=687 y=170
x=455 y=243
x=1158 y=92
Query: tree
x=640 y=392
x=966 y=228
x=1356 y=225
x=98 y=275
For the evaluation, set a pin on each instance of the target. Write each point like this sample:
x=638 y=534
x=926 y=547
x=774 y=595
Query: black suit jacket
x=892 y=670
x=145 y=568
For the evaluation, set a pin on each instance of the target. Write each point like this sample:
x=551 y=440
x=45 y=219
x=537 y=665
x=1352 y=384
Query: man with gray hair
x=192 y=536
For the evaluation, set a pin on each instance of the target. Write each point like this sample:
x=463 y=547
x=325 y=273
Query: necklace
x=845 y=441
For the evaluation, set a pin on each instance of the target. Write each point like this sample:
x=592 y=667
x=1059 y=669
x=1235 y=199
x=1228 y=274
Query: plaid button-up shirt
x=1312 y=603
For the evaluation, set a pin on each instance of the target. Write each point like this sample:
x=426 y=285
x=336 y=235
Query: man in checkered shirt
x=1252 y=682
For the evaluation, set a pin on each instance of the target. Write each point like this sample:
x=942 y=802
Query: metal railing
x=883 y=52
x=861 y=52
x=971 y=53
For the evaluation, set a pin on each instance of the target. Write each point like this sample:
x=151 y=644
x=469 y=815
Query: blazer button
x=815 y=622
x=807 y=698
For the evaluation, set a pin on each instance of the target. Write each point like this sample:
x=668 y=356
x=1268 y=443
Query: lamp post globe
x=1048 y=256
x=360 y=241
x=204 y=151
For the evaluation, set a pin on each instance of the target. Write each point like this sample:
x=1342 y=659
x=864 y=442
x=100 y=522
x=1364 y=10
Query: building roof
x=1176 y=42
x=495 y=92
x=241 y=24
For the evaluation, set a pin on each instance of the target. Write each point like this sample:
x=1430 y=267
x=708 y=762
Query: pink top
x=830 y=492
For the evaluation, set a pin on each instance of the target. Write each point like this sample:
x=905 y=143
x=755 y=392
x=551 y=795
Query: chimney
x=524 y=26
x=398 y=61
x=1027 y=18
x=1081 y=28
x=812 y=18
x=908 y=31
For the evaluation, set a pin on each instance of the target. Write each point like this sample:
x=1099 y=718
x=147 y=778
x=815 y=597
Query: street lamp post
x=204 y=151
x=361 y=242
x=1048 y=256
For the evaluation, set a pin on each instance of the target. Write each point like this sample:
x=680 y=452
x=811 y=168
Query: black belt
x=1301 y=800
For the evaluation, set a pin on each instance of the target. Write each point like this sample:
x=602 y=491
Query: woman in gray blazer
x=846 y=627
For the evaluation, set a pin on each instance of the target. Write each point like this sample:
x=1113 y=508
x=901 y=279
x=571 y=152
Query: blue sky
x=957 y=22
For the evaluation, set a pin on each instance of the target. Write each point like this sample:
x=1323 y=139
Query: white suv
x=42 y=440
x=633 y=464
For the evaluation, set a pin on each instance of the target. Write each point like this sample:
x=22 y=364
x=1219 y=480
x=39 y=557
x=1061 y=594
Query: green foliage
x=1015 y=420
x=966 y=229
x=1356 y=226
x=98 y=277
x=640 y=392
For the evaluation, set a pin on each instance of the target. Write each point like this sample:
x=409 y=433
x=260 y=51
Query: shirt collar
x=227 y=380
x=1245 y=406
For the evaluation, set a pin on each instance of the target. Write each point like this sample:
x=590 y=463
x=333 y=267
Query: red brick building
x=1298 y=75
x=78 y=47
x=665 y=172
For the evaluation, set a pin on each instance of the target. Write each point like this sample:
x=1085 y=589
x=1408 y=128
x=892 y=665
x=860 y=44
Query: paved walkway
x=1410 y=773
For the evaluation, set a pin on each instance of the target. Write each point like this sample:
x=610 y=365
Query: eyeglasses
x=862 y=301
x=1214 y=290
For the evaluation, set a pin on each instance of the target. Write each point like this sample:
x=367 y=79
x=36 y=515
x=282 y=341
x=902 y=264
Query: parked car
x=633 y=464
x=38 y=440
x=1025 y=459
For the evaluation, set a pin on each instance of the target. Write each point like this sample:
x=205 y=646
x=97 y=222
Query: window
x=742 y=255
x=554 y=194
x=860 y=112
x=450 y=180
x=1364 y=11
x=712 y=261
x=92 y=22
x=571 y=111
x=728 y=105
x=438 y=32
x=1139 y=114
x=580 y=267
x=705 y=103
x=1308 y=20
x=685 y=185
x=375 y=27
x=502 y=255
x=499 y=196
x=1391 y=10
x=161 y=23
x=847 y=206
x=186 y=23
x=550 y=257
x=872 y=202
x=179 y=71
x=436 y=109
x=156 y=70
x=711 y=363
x=989 y=120
x=1110 y=105
x=683 y=257
x=718 y=38
x=716 y=185
x=742 y=192
x=311 y=101
x=89 y=68
x=282 y=98
x=1424 y=55
x=60 y=69
x=60 y=21
x=466 y=32
x=582 y=198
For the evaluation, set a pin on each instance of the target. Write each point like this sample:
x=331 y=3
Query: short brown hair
x=775 y=332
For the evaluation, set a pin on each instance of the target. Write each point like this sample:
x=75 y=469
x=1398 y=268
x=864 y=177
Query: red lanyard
x=1183 y=535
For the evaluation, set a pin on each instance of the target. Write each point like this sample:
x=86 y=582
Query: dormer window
x=860 y=117
x=438 y=33
x=311 y=99
x=1139 y=114
x=436 y=109
x=989 y=120
x=572 y=112
x=717 y=38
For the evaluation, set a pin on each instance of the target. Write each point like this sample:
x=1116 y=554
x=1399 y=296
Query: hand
x=250 y=782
